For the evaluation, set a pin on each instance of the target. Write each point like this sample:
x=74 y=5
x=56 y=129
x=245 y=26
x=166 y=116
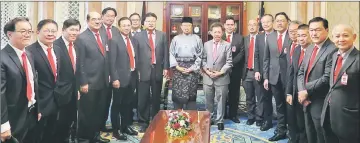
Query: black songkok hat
x=187 y=20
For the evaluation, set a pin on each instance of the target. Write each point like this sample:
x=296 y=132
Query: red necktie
x=251 y=54
x=99 y=43
x=71 y=55
x=338 y=66
x=51 y=61
x=152 y=46
x=292 y=50
x=279 y=42
x=108 y=31
x=214 y=50
x=28 y=85
x=301 y=57
x=131 y=55
x=228 y=38
x=313 y=55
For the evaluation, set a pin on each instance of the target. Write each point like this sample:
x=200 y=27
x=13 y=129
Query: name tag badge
x=107 y=48
x=285 y=51
x=344 y=79
x=233 y=49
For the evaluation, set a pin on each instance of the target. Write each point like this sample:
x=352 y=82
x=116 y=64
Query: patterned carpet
x=233 y=133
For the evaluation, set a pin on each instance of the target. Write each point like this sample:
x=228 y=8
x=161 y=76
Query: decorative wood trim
x=121 y=8
x=164 y=27
x=244 y=20
x=48 y=10
x=302 y=12
x=317 y=9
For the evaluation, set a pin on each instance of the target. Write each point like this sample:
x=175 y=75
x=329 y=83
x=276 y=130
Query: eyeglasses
x=47 y=31
x=150 y=21
x=95 y=19
x=282 y=21
x=135 y=20
x=24 y=32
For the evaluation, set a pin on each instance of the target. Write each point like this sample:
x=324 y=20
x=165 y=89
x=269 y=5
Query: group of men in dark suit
x=40 y=96
x=299 y=65
x=42 y=86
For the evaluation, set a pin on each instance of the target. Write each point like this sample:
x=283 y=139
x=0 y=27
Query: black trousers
x=67 y=115
x=314 y=131
x=46 y=128
x=278 y=91
x=253 y=91
x=30 y=134
x=234 y=92
x=296 y=122
x=91 y=113
x=122 y=104
x=146 y=99
x=191 y=105
x=107 y=106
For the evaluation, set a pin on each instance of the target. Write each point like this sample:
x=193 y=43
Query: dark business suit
x=251 y=86
x=340 y=113
x=275 y=66
x=295 y=114
x=264 y=103
x=151 y=75
x=14 y=103
x=317 y=87
x=94 y=71
x=120 y=70
x=114 y=33
x=237 y=49
x=50 y=96
x=68 y=90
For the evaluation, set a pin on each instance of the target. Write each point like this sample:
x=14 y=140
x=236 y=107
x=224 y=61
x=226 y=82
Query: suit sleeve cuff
x=288 y=95
x=5 y=127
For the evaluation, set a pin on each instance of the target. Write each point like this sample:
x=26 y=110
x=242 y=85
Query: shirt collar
x=282 y=34
x=345 y=54
x=154 y=31
x=44 y=46
x=123 y=36
x=253 y=35
x=269 y=32
x=107 y=26
x=321 y=44
x=65 y=41
x=17 y=51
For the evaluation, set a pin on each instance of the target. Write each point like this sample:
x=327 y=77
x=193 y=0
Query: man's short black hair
x=284 y=14
x=303 y=27
x=320 y=19
x=105 y=10
x=135 y=14
x=10 y=26
x=229 y=18
x=150 y=14
x=44 y=22
x=122 y=19
x=70 y=22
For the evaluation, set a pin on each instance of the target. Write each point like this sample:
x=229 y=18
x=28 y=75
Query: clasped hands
x=184 y=70
x=213 y=73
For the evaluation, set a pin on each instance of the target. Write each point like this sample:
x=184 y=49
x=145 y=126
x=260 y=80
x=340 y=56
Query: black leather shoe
x=130 y=131
x=266 y=126
x=119 y=136
x=212 y=122
x=259 y=123
x=235 y=120
x=100 y=139
x=250 y=122
x=220 y=126
x=277 y=137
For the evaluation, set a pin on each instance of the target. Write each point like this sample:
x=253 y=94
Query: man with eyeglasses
x=93 y=77
x=67 y=79
x=18 y=84
x=313 y=77
x=135 y=23
x=153 y=66
x=108 y=16
x=275 y=67
x=265 y=101
x=46 y=59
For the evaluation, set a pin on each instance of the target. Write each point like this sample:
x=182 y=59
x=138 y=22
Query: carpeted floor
x=233 y=133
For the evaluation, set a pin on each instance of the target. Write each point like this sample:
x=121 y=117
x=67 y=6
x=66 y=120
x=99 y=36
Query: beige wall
x=344 y=12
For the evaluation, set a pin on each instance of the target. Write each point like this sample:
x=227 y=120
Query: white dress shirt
x=73 y=49
x=44 y=47
x=132 y=48
x=6 y=126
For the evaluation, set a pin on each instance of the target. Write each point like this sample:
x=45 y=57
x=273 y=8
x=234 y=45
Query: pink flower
x=176 y=126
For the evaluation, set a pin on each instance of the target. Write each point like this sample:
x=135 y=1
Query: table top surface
x=200 y=133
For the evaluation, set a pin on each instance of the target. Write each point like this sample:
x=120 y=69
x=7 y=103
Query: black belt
x=153 y=65
x=30 y=108
x=250 y=69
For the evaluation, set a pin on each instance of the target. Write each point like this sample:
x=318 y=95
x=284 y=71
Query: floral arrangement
x=178 y=124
